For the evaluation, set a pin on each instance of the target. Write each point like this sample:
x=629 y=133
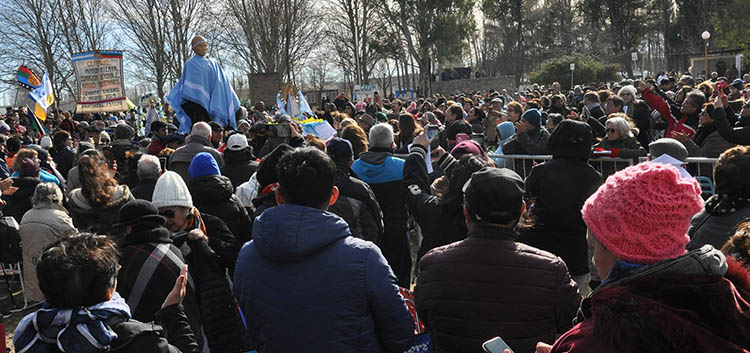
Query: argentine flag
x=43 y=97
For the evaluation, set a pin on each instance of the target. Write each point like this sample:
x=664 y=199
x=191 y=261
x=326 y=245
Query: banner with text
x=362 y=92
x=101 y=85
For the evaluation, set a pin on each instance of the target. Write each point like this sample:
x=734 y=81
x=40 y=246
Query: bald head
x=199 y=45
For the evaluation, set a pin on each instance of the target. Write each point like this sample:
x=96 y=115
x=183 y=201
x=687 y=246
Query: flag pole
x=16 y=97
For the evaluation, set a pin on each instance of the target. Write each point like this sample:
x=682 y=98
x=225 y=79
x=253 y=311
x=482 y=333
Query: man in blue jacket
x=305 y=284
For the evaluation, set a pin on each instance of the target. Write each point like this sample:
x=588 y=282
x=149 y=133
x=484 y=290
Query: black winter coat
x=489 y=285
x=238 y=167
x=144 y=190
x=148 y=337
x=559 y=189
x=739 y=135
x=439 y=225
x=214 y=194
x=358 y=206
x=20 y=201
x=220 y=316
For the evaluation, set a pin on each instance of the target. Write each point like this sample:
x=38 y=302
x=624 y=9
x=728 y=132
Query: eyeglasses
x=167 y=213
x=611 y=130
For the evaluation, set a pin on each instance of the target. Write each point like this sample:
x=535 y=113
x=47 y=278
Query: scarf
x=196 y=222
x=80 y=330
x=724 y=204
x=702 y=133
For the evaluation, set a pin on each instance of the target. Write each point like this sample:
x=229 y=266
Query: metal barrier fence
x=522 y=163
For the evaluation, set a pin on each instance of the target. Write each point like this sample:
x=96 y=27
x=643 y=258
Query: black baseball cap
x=494 y=195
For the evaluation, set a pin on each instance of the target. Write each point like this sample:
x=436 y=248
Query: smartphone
x=283 y=130
x=496 y=345
x=478 y=138
x=163 y=163
x=432 y=131
x=461 y=137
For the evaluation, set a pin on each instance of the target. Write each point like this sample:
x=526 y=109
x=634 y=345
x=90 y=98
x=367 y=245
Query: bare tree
x=32 y=38
x=352 y=31
x=272 y=35
x=159 y=32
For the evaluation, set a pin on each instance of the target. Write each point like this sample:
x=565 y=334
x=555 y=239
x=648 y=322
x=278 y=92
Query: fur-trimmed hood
x=685 y=304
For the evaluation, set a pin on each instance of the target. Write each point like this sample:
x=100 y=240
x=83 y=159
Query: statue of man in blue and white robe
x=203 y=92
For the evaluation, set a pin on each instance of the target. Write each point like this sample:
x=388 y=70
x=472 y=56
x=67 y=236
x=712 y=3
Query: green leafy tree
x=587 y=70
x=731 y=32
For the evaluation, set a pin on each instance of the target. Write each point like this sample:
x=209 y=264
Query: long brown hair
x=357 y=137
x=407 y=128
x=97 y=185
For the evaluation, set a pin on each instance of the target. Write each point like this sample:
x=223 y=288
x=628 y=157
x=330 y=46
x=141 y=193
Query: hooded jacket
x=97 y=219
x=559 y=188
x=383 y=172
x=239 y=167
x=357 y=206
x=687 y=304
x=214 y=195
x=303 y=281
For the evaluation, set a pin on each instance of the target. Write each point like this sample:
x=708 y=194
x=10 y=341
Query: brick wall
x=264 y=87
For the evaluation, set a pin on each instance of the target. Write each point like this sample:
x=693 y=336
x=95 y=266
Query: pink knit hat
x=642 y=213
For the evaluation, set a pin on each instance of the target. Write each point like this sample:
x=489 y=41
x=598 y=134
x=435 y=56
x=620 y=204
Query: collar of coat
x=492 y=231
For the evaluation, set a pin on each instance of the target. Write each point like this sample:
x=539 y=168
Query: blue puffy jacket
x=305 y=284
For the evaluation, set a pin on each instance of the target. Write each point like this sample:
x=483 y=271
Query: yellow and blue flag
x=43 y=97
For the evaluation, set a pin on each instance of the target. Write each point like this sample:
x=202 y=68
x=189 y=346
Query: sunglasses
x=611 y=130
x=167 y=214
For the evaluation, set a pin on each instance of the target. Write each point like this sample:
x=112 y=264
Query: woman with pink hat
x=656 y=296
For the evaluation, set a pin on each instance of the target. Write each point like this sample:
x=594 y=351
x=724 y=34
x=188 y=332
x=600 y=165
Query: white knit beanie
x=628 y=88
x=170 y=190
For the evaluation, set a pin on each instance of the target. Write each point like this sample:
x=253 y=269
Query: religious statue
x=203 y=92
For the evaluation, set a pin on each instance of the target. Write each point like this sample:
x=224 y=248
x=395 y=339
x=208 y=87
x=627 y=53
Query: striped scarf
x=81 y=330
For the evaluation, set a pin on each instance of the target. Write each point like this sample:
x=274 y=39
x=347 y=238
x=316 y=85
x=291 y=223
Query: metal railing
x=522 y=163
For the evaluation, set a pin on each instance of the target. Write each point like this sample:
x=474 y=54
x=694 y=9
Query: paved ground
x=11 y=319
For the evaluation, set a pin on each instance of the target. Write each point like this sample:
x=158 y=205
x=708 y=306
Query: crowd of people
x=267 y=238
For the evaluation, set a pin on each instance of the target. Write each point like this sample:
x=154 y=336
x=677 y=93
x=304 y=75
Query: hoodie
x=383 y=173
x=303 y=269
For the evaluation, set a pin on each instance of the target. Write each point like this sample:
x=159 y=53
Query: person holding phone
x=530 y=138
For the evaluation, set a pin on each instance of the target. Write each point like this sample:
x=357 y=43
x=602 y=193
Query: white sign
x=634 y=56
x=572 y=67
x=362 y=92
x=99 y=78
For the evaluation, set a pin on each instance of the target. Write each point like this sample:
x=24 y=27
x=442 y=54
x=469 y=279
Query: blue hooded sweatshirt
x=304 y=284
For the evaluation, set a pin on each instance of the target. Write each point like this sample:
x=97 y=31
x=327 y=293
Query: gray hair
x=47 y=193
x=202 y=129
x=381 y=136
x=621 y=125
x=148 y=167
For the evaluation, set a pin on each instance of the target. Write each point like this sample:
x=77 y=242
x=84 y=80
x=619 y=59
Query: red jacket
x=156 y=146
x=686 y=123
x=666 y=312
